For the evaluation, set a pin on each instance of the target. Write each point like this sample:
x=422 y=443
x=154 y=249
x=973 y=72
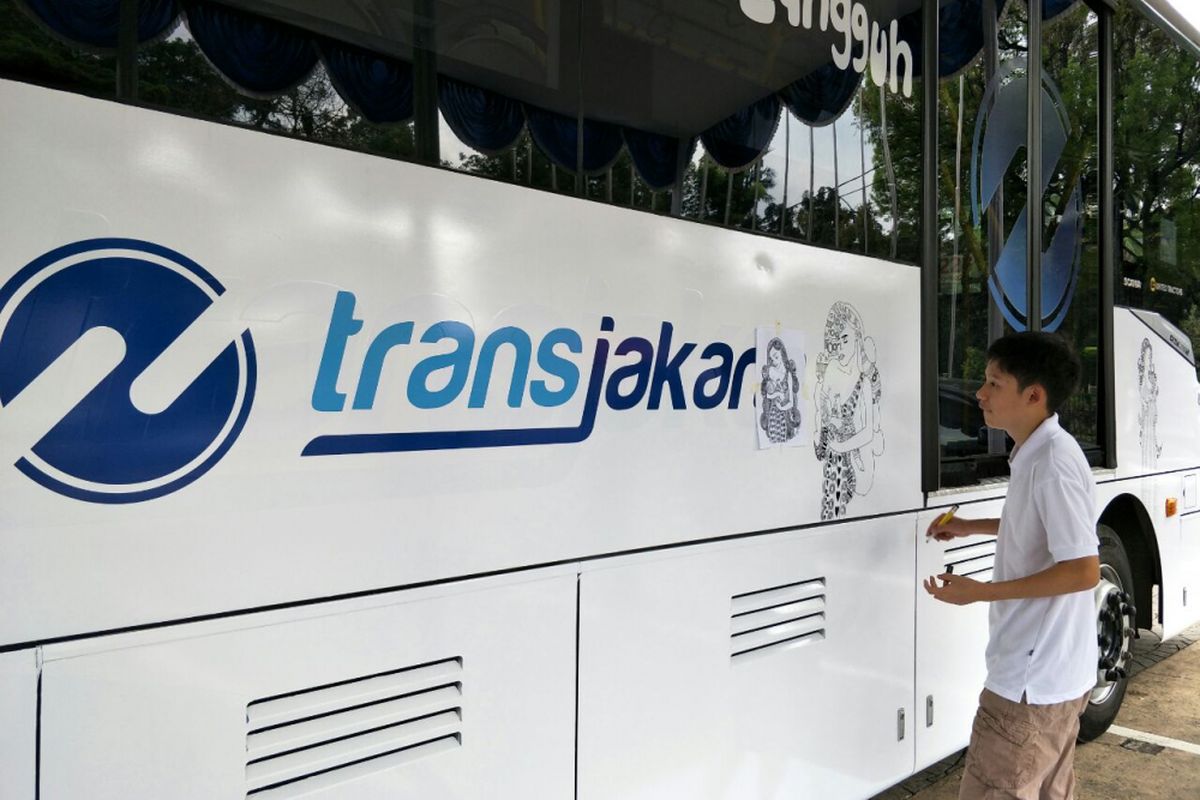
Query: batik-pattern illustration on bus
x=780 y=417
x=849 y=434
x=1148 y=406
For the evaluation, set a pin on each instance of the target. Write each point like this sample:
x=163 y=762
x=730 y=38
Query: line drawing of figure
x=848 y=435
x=780 y=417
x=1148 y=406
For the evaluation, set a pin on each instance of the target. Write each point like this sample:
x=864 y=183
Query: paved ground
x=1163 y=700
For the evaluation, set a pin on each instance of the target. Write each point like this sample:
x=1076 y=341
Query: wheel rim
x=1114 y=632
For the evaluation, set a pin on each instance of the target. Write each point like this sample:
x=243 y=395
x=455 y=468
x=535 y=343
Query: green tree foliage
x=1190 y=324
x=526 y=164
x=892 y=123
x=1157 y=165
x=174 y=75
x=966 y=247
x=30 y=53
x=970 y=240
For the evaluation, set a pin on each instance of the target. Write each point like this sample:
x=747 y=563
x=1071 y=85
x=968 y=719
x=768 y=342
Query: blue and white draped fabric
x=657 y=157
x=256 y=54
x=822 y=95
x=488 y=122
x=263 y=57
x=558 y=137
x=737 y=141
x=960 y=34
x=95 y=23
x=1052 y=8
x=379 y=88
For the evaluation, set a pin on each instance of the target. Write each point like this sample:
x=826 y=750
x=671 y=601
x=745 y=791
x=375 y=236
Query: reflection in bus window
x=1156 y=152
x=695 y=110
x=30 y=53
x=785 y=146
x=982 y=256
x=982 y=280
x=1071 y=202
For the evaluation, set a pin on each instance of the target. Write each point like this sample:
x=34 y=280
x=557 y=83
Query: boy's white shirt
x=1044 y=648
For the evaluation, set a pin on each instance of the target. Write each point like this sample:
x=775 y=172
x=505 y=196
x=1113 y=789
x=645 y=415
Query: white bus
x=538 y=399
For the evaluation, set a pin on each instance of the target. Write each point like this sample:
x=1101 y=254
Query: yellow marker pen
x=949 y=515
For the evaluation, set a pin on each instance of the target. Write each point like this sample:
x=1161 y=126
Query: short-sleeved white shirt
x=1044 y=648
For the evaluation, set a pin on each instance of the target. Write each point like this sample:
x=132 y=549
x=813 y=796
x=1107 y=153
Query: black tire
x=1117 y=629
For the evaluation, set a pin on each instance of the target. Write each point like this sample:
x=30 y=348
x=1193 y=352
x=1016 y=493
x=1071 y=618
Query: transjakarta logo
x=80 y=324
x=653 y=378
x=104 y=449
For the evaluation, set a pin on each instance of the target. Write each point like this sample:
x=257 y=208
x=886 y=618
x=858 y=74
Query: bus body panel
x=664 y=708
x=1158 y=437
x=18 y=733
x=1158 y=399
x=458 y=694
x=1189 y=572
x=292 y=229
x=676 y=700
x=950 y=640
x=1179 y=551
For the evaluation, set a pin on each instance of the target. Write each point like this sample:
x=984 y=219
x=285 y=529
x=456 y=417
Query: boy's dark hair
x=1037 y=357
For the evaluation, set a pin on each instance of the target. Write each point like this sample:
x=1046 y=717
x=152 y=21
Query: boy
x=1042 y=651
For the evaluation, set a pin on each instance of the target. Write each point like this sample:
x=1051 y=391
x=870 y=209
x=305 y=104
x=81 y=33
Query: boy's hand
x=958 y=590
x=945 y=531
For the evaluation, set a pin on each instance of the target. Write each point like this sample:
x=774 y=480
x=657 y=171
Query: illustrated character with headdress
x=780 y=417
x=1148 y=405
x=848 y=435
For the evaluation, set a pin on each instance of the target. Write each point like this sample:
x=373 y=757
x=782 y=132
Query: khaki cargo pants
x=1020 y=751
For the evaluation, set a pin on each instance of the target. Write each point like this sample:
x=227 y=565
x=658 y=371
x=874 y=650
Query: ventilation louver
x=972 y=560
x=777 y=619
x=313 y=738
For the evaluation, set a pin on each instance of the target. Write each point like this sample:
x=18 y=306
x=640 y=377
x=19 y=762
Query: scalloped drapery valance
x=264 y=57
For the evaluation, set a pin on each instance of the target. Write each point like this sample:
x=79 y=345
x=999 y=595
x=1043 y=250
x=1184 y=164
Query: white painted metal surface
x=1158 y=401
x=1178 y=551
x=950 y=640
x=1158 y=437
x=665 y=710
x=1189 y=579
x=18 y=724
x=285 y=225
x=178 y=718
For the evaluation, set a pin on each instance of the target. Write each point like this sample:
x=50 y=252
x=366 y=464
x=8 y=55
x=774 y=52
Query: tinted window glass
x=1156 y=151
x=1071 y=203
x=982 y=287
x=705 y=111
x=982 y=110
x=799 y=120
x=28 y=52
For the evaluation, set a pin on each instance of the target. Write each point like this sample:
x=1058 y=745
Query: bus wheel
x=1116 y=628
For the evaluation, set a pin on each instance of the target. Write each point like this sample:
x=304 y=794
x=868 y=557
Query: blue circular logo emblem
x=105 y=449
x=999 y=137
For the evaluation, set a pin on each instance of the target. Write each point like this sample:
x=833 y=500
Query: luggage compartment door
x=464 y=695
x=780 y=668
